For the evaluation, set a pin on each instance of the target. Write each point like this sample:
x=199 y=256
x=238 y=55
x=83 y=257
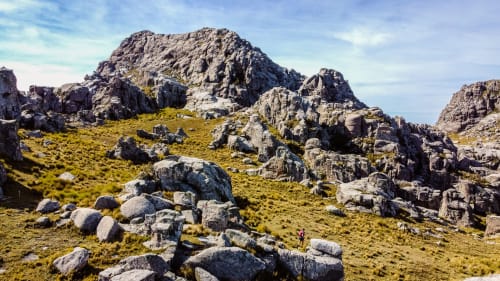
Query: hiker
x=302 y=234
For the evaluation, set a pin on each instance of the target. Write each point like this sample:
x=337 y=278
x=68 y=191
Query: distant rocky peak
x=330 y=87
x=470 y=106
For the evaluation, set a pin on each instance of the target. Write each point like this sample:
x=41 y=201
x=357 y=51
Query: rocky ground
x=251 y=132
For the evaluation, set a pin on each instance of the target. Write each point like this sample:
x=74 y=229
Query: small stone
x=73 y=261
x=43 y=222
x=47 y=206
x=105 y=202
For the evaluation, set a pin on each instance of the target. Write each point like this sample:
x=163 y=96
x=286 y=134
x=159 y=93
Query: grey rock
x=284 y=166
x=86 y=219
x=334 y=210
x=158 y=202
x=260 y=138
x=136 y=275
x=72 y=262
x=241 y=239
x=212 y=61
x=205 y=179
x=372 y=194
x=455 y=209
x=492 y=226
x=321 y=268
x=67 y=176
x=328 y=247
x=9 y=101
x=43 y=222
x=227 y=263
x=247 y=161
x=239 y=143
x=334 y=166
x=202 y=275
x=215 y=216
x=191 y=216
x=106 y=202
x=9 y=140
x=138 y=186
x=127 y=149
x=186 y=200
x=137 y=207
x=68 y=207
x=47 y=206
x=469 y=106
x=220 y=133
x=152 y=263
x=107 y=229
x=65 y=215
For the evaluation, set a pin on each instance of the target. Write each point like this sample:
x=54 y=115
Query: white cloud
x=52 y=75
x=361 y=37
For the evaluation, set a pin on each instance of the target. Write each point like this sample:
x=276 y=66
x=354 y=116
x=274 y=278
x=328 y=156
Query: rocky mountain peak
x=470 y=106
x=329 y=85
x=215 y=62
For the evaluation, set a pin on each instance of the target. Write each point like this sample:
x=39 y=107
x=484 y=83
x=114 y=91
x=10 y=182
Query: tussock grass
x=374 y=249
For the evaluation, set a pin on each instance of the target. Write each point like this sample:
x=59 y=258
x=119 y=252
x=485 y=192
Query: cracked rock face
x=216 y=62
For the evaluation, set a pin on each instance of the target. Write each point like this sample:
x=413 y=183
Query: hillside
x=178 y=138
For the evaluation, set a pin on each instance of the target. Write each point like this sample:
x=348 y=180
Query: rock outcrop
x=492 y=226
x=205 y=179
x=471 y=105
x=219 y=67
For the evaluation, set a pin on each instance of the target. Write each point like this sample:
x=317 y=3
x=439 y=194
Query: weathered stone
x=136 y=275
x=86 y=219
x=137 y=187
x=43 y=222
x=241 y=239
x=137 y=207
x=227 y=263
x=284 y=166
x=239 y=143
x=334 y=210
x=186 y=200
x=106 y=202
x=260 y=138
x=328 y=247
x=206 y=179
x=147 y=262
x=67 y=176
x=9 y=100
x=492 y=226
x=107 y=229
x=72 y=262
x=455 y=209
x=215 y=215
x=127 y=149
x=158 y=202
x=201 y=274
x=9 y=140
x=372 y=194
x=47 y=206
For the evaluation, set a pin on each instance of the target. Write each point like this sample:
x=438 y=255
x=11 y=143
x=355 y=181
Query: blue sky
x=406 y=57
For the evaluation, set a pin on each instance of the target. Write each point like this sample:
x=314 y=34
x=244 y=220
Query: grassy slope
x=373 y=247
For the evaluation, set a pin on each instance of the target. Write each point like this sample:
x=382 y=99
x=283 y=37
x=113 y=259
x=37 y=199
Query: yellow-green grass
x=374 y=249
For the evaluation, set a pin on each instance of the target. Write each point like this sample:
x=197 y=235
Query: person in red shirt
x=302 y=235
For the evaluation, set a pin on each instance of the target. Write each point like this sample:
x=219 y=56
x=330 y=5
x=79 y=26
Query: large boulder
x=284 y=166
x=152 y=263
x=455 y=209
x=206 y=179
x=136 y=275
x=492 y=226
x=220 y=134
x=9 y=140
x=311 y=267
x=86 y=219
x=260 y=138
x=73 y=261
x=108 y=229
x=201 y=274
x=106 y=202
x=335 y=166
x=9 y=95
x=227 y=263
x=137 y=207
x=127 y=149
x=372 y=194
x=139 y=186
x=47 y=206
x=327 y=247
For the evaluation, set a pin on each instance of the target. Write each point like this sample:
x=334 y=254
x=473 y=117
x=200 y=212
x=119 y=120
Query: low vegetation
x=374 y=248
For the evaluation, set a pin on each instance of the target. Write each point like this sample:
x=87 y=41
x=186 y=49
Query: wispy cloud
x=361 y=37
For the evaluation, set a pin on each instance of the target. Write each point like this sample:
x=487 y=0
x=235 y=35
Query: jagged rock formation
x=9 y=113
x=469 y=107
x=217 y=65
